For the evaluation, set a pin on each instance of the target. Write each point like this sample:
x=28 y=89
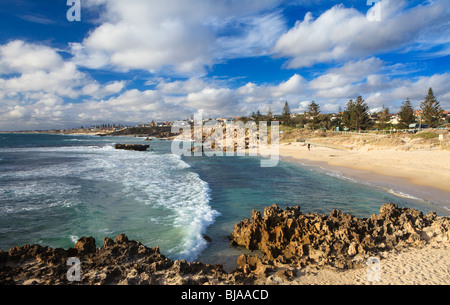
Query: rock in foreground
x=338 y=240
x=121 y=262
x=289 y=240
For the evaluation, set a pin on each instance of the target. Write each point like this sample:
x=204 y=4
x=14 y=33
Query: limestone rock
x=287 y=239
x=334 y=239
x=86 y=245
x=121 y=262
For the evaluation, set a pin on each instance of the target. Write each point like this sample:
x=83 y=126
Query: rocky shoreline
x=337 y=240
x=289 y=241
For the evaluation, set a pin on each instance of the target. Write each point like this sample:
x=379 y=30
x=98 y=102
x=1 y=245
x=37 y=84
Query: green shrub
x=426 y=135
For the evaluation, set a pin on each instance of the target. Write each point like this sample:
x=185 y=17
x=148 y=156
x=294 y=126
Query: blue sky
x=138 y=60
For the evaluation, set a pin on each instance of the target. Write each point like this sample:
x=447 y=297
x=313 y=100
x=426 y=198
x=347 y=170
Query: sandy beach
x=419 y=171
x=426 y=266
x=423 y=172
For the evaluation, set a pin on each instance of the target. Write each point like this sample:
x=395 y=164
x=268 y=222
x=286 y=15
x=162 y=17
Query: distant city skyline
x=140 y=61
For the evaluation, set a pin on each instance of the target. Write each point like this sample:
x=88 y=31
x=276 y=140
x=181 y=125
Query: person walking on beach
x=309 y=147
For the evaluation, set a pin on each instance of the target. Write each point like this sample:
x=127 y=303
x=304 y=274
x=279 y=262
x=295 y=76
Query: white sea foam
x=401 y=194
x=106 y=231
x=341 y=176
x=34 y=198
x=338 y=175
x=86 y=140
x=8 y=209
x=156 y=180
x=165 y=181
x=74 y=238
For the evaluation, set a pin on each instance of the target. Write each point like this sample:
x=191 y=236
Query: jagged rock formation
x=288 y=240
x=137 y=147
x=338 y=240
x=122 y=262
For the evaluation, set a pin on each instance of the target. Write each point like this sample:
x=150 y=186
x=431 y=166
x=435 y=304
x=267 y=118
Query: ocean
x=56 y=188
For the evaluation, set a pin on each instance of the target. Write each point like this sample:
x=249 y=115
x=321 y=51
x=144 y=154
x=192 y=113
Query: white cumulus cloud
x=342 y=33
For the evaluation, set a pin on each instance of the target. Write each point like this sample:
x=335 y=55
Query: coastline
x=405 y=173
x=415 y=266
x=414 y=251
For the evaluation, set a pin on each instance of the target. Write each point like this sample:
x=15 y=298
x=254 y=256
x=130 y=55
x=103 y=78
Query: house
x=223 y=121
x=182 y=123
x=143 y=125
x=394 y=119
x=418 y=113
x=374 y=117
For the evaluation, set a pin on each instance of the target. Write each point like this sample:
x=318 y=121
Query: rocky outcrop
x=137 y=147
x=118 y=261
x=338 y=240
x=154 y=132
x=286 y=241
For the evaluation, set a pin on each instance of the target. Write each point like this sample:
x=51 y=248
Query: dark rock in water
x=137 y=147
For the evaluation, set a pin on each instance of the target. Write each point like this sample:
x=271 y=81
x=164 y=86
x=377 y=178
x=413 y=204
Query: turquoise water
x=55 y=189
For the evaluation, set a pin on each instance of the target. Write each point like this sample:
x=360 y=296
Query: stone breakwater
x=288 y=241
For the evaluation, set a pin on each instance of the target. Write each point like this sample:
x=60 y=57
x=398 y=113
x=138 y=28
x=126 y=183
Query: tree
x=299 y=121
x=313 y=113
x=258 y=117
x=324 y=121
x=286 y=115
x=356 y=116
x=406 y=114
x=269 y=116
x=431 y=110
x=384 y=116
x=244 y=119
x=337 y=122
